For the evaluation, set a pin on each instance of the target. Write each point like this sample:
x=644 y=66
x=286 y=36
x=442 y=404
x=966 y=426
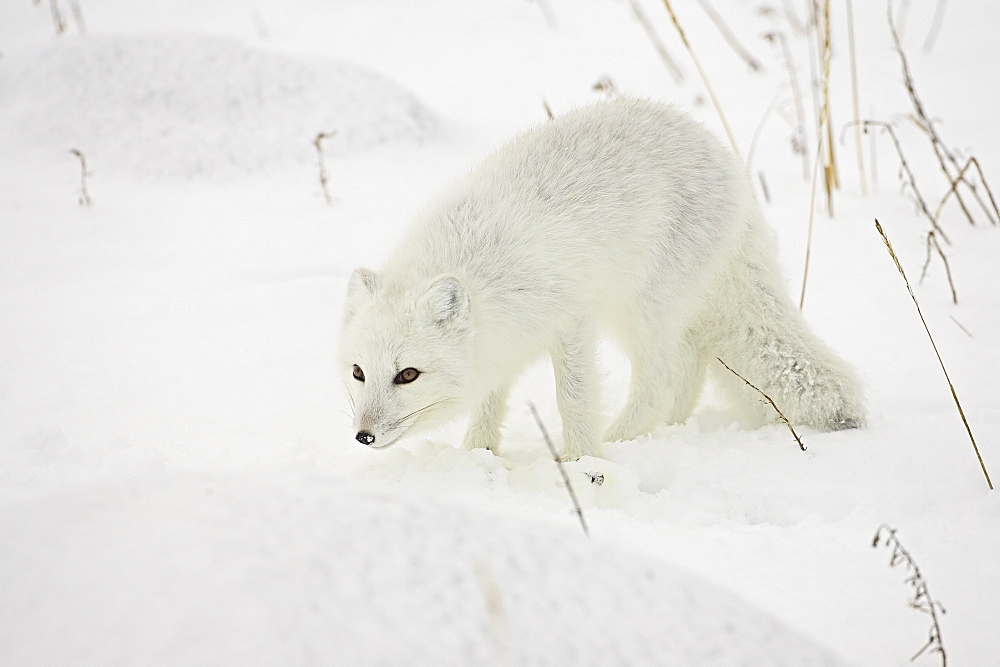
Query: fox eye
x=359 y=374
x=406 y=376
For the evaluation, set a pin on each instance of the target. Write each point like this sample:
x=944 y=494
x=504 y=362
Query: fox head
x=405 y=354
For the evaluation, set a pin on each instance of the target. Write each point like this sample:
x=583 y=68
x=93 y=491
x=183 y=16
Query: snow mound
x=295 y=569
x=188 y=105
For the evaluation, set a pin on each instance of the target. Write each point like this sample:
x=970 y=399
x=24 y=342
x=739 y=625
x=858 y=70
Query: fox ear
x=446 y=301
x=360 y=288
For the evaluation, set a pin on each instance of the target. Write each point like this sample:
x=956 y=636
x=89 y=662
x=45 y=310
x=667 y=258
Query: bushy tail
x=762 y=336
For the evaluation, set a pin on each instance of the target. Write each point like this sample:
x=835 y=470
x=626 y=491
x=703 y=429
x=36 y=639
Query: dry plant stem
x=961 y=326
x=562 y=468
x=971 y=162
x=546 y=9
x=607 y=86
x=763 y=187
x=323 y=179
x=829 y=165
x=911 y=180
x=941 y=151
x=57 y=20
x=661 y=49
x=854 y=99
x=704 y=77
x=800 y=113
x=922 y=600
x=954 y=395
x=932 y=243
x=81 y=25
x=813 y=46
x=768 y=400
x=760 y=127
x=792 y=18
x=259 y=25
x=548 y=109
x=935 y=26
x=730 y=38
x=904 y=10
x=84 y=199
x=809 y=229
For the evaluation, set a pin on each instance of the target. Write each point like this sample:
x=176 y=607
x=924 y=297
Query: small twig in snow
x=548 y=109
x=922 y=600
x=607 y=86
x=932 y=244
x=562 y=469
x=323 y=180
x=84 y=199
x=768 y=400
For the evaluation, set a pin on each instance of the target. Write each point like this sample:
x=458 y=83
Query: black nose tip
x=365 y=438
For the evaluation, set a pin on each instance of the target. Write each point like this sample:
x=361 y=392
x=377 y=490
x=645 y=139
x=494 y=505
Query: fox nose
x=365 y=438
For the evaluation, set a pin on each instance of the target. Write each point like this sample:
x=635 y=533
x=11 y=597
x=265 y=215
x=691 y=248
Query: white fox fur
x=626 y=218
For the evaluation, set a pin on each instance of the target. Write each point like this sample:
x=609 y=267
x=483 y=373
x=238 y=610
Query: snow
x=296 y=568
x=178 y=480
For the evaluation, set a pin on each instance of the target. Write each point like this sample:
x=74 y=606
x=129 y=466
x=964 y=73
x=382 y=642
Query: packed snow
x=178 y=478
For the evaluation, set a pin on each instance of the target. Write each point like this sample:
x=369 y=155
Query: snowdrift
x=185 y=105
x=297 y=569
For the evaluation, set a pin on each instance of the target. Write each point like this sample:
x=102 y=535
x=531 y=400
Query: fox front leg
x=484 y=425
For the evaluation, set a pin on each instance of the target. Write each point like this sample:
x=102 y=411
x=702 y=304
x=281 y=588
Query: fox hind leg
x=575 y=367
x=666 y=375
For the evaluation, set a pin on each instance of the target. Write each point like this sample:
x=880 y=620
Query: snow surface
x=178 y=481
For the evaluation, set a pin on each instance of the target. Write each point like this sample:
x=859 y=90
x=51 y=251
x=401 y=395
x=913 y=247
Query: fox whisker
x=350 y=399
x=418 y=413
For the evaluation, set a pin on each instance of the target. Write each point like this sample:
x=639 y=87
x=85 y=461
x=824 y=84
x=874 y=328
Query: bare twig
x=932 y=244
x=935 y=26
x=809 y=229
x=763 y=187
x=562 y=469
x=760 y=127
x=800 y=141
x=830 y=179
x=921 y=600
x=546 y=9
x=704 y=77
x=323 y=179
x=954 y=395
x=911 y=180
x=730 y=38
x=607 y=86
x=971 y=162
x=961 y=326
x=84 y=199
x=548 y=109
x=947 y=160
x=259 y=25
x=768 y=400
x=57 y=19
x=661 y=49
x=81 y=24
x=854 y=101
x=792 y=18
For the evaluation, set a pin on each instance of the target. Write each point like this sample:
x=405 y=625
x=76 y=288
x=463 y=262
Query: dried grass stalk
x=954 y=395
x=704 y=77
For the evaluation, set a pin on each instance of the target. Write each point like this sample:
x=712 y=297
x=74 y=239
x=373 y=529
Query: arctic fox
x=626 y=218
